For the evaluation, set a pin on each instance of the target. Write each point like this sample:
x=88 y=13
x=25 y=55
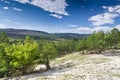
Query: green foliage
x=47 y=51
x=82 y=45
x=21 y=55
x=99 y=41
x=115 y=37
x=3 y=38
x=3 y=66
x=96 y=41
x=66 y=46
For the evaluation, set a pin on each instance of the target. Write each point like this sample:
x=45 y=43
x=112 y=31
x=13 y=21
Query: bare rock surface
x=105 y=66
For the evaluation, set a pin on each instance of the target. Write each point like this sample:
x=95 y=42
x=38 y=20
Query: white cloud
x=2 y=25
x=88 y=30
x=6 y=8
x=118 y=27
x=22 y=1
x=17 y=9
x=102 y=28
x=106 y=18
x=104 y=7
x=111 y=9
x=83 y=30
x=7 y=2
x=56 y=16
x=13 y=22
x=118 y=11
x=101 y=19
x=54 y=6
x=114 y=9
x=73 y=25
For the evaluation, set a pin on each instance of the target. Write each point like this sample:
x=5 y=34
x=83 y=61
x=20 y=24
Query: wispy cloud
x=113 y=9
x=104 y=7
x=22 y=1
x=56 y=7
x=118 y=26
x=101 y=19
x=107 y=17
x=6 y=23
x=10 y=21
x=5 y=8
x=7 y=2
x=73 y=25
x=56 y=16
x=89 y=30
x=83 y=30
x=17 y=9
x=2 y=25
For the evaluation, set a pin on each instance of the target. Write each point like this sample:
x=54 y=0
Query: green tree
x=22 y=54
x=115 y=37
x=96 y=42
x=4 y=38
x=3 y=66
x=47 y=53
x=82 y=45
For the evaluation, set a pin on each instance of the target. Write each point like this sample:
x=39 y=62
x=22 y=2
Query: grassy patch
x=59 y=77
x=74 y=57
x=65 y=77
x=45 y=78
x=100 y=60
x=115 y=74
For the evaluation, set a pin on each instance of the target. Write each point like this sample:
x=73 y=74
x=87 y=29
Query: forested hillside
x=22 y=33
x=20 y=57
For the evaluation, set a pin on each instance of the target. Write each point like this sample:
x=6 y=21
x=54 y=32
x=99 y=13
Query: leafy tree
x=47 y=52
x=65 y=47
x=115 y=37
x=61 y=47
x=3 y=66
x=22 y=54
x=100 y=41
x=82 y=45
x=92 y=42
x=96 y=42
x=108 y=40
x=4 y=38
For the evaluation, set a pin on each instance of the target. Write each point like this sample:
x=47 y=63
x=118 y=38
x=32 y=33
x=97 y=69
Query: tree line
x=21 y=56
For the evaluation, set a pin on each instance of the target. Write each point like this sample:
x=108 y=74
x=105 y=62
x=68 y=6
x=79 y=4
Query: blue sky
x=60 y=16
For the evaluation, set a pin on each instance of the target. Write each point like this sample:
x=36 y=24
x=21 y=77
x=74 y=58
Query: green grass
x=100 y=60
x=58 y=77
x=43 y=78
x=65 y=77
x=73 y=56
x=115 y=74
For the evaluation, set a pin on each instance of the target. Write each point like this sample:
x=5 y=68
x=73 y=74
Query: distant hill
x=71 y=35
x=21 y=33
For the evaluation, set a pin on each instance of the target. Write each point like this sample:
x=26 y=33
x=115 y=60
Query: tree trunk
x=23 y=70
x=83 y=52
x=47 y=64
